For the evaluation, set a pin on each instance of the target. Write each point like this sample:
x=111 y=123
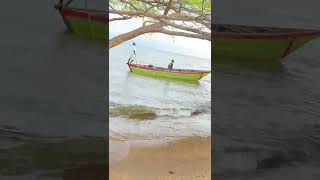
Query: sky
x=176 y=44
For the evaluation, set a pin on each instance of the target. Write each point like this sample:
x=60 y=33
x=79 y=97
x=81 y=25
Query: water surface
x=182 y=109
x=52 y=97
x=266 y=121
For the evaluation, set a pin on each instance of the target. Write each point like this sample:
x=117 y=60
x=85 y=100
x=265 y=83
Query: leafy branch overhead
x=188 y=18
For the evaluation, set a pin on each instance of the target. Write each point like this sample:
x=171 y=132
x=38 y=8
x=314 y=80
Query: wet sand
x=186 y=159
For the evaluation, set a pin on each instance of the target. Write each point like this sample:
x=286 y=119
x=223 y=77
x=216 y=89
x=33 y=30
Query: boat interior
x=88 y=5
x=176 y=70
x=253 y=29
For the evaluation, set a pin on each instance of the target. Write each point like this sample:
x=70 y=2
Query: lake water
x=182 y=109
x=52 y=97
x=268 y=114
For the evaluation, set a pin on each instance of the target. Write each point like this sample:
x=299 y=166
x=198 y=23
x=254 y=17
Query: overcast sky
x=182 y=45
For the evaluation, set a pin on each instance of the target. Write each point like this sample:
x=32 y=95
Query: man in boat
x=170 y=66
x=133 y=53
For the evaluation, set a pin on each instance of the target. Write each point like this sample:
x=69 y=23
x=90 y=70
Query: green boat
x=262 y=43
x=84 y=22
x=177 y=74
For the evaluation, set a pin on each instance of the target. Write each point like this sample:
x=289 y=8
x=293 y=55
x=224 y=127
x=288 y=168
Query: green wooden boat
x=263 y=43
x=84 y=22
x=177 y=74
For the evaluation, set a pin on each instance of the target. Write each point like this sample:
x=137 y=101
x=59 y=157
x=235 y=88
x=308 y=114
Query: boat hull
x=263 y=49
x=86 y=23
x=260 y=45
x=153 y=72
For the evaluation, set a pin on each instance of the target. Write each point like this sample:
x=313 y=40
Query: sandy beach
x=188 y=158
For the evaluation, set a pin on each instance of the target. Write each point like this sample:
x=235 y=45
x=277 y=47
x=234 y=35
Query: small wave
x=134 y=112
x=140 y=112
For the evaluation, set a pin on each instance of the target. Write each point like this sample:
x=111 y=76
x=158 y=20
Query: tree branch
x=185 y=16
x=177 y=17
x=130 y=4
x=132 y=34
x=168 y=7
x=183 y=34
x=119 y=18
x=185 y=28
x=154 y=28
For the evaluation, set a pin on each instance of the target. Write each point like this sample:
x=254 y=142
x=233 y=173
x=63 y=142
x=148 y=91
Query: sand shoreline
x=188 y=158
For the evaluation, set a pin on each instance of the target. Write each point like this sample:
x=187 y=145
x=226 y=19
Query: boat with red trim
x=178 y=74
x=84 y=22
x=253 y=42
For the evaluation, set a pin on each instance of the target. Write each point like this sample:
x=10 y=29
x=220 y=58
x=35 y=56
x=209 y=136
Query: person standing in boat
x=133 y=53
x=170 y=66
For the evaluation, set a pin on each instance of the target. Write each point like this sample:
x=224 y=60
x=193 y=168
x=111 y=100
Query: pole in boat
x=134 y=52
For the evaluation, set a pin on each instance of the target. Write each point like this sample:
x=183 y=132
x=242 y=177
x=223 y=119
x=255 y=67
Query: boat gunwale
x=101 y=16
x=264 y=36
x=295 y=33
x=161 y=69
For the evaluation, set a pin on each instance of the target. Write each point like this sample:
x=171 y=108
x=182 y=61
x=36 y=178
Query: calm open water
x=267 y=119
x=182 y=109
x=52 y=97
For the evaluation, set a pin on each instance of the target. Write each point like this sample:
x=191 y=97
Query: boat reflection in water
x=45 y=158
